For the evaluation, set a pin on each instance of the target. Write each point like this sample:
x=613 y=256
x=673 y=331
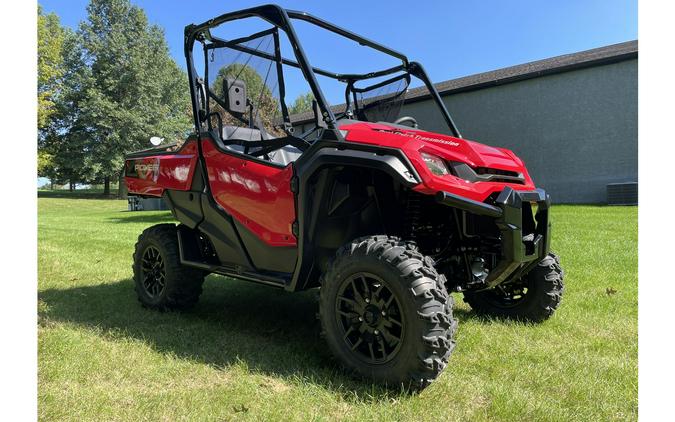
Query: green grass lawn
x=249 y=352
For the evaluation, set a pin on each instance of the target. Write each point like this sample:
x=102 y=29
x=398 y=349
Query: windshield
x=381 y=102
x=247 y=80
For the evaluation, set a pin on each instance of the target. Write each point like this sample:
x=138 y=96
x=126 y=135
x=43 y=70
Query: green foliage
x=45 y=162
x=65 y=140
x=120 y=87
x=135 y=89
x=50 y=36
x=249 y=352
x=302 y=104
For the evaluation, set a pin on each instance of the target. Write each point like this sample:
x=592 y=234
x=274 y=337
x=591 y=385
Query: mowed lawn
x=250 y=352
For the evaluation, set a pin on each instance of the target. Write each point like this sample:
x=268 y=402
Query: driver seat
x=284 y=155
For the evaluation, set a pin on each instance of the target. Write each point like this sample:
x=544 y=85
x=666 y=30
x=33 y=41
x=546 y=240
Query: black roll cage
x=281 y=18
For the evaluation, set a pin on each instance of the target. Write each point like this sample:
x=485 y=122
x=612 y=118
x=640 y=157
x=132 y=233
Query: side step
x=280 y=280
x=237 y=272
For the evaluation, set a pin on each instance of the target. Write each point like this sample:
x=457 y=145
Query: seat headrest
x=241 y=133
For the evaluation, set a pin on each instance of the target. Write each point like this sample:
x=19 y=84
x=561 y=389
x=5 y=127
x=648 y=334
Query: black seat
x=243 y=134
x=283 y=155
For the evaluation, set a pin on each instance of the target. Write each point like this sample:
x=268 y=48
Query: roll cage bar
x=281 y=18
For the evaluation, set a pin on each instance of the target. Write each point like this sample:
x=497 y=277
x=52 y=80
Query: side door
x=257 y=194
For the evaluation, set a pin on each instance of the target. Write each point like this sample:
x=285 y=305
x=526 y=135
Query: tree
x=302 y=104
x=50 y=64
x=54 y=44
x=126 y=89
x=62 y=144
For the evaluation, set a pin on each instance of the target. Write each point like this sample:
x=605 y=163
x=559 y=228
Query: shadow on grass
x=142 y=217
x=464 y=315
x=271 y=331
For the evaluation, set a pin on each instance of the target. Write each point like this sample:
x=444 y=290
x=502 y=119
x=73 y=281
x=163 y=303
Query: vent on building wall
x=622 y=193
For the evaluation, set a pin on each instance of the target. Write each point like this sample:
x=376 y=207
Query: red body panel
x=413 y=141
x=258 y=195
x=153 y=174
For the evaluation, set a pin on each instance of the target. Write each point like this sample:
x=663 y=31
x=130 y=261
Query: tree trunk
x=71 y=186
x=106 y=186
x=122 y=190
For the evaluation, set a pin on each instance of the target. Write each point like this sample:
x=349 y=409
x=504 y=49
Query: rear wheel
x=534 y=297
x=385 y=312
x=161 y=282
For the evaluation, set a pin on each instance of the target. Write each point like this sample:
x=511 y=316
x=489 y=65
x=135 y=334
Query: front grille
x=494 y=175
x=487 y=170
x=485 y=174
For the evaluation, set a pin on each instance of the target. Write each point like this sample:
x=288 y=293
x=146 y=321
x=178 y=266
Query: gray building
x=573 y=119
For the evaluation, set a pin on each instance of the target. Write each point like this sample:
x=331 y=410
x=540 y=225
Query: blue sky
x=450 y=38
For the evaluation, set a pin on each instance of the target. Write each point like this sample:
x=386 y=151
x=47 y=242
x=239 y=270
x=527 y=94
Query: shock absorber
x=413 y=210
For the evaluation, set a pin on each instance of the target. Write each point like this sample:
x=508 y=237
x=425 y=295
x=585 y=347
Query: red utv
x=384 y=217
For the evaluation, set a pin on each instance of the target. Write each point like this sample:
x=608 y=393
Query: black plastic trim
x=233 y=271
x=264 y=257
x=469 y=205
x=326 y=154
x=185 y=206
x=464 y=171
x=509 y=218
x=515 y=258
x=220 y=228
x=151 y=152
x=347 y=148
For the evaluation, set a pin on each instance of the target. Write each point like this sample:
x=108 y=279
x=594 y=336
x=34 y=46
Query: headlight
x=435 y=164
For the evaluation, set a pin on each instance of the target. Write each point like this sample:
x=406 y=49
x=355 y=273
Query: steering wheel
x=409 y=119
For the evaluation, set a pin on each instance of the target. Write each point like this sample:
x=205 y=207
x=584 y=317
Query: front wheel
x=534 y=297
x=385 y=312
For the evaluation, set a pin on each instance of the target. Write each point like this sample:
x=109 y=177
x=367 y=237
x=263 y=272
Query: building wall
x=576 y=131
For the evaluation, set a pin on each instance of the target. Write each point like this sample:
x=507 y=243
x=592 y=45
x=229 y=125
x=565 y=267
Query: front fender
x=390 y=161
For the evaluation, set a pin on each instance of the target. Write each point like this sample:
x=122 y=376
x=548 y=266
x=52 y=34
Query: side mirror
x=235 y=95
x=156 y=140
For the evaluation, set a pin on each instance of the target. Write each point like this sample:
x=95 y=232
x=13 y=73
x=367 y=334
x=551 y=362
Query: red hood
x=414 y=141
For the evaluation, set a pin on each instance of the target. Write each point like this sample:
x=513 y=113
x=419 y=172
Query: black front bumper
x=525 y=234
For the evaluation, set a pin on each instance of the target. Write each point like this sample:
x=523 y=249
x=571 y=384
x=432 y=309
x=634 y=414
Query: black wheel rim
x=510 y=295
x=369 y=317
x=153 y=272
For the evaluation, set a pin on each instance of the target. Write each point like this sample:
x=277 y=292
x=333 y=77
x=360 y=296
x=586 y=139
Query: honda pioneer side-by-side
x=384 y=217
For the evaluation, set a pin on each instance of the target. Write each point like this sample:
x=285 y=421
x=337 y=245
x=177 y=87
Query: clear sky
x=451 y=38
